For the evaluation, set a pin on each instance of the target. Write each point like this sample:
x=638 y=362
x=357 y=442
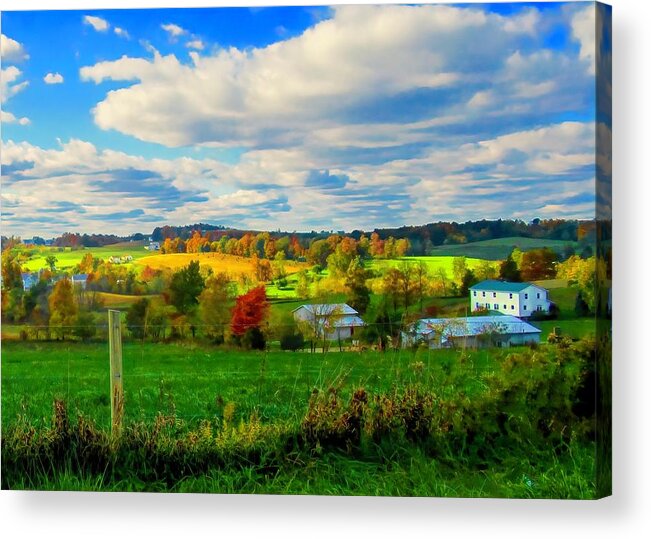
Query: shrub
x=292 y=341
x=253 y=339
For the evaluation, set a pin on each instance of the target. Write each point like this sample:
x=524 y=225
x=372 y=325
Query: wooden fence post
x=115 y=353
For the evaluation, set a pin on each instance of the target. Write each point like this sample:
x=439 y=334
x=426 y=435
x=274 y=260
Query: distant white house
x=517 y=299
x=337 y=321
x=153 y=246
x=80 y=280
x=29 y=280
x=472 y=331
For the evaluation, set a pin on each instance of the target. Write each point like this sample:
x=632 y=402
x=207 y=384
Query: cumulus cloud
x=9 y=86
x=583 y=31
x=9 y=118
x=98 y=24
x=522 y=174
x=431 y=56
x=11 y=51
x=174 y=31
x=121 y=32
x=53 y=78
x=196 y=44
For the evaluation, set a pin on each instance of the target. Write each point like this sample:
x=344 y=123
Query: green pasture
x=499 y=249
x=434 y=263
x=68 y=258
x=195 y=382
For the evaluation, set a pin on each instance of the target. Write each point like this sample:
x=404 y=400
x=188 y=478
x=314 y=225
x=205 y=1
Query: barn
x=337 y=320
x=472 y=332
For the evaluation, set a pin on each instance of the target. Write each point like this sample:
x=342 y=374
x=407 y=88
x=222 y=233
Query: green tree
x=186 y=287
x=359 y=295
x=469 y=279
x=509 y=270
x=51 y=261
x=85 y=327
x=137 y=318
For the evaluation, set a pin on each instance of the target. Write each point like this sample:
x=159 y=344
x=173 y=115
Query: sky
x=297 y=118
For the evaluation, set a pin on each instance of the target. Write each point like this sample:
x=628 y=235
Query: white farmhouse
x=473 y=332
x=336 y=320
x=517 y=299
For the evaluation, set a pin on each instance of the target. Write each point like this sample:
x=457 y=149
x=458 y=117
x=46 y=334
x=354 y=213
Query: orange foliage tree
x=250 y=310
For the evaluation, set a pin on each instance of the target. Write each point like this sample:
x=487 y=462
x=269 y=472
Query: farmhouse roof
x=473 y=325
x=326 y=309
x=501 y=286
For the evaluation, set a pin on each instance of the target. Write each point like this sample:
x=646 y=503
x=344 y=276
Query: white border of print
x=626 y=513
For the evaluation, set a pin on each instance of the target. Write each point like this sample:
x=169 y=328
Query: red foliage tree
x=249 y=311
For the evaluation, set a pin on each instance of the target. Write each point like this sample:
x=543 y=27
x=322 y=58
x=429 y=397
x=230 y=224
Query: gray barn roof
x=473 y=326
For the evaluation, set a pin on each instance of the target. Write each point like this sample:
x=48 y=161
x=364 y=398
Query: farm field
x=68 y=258
x=499 y=249
x=218 y=262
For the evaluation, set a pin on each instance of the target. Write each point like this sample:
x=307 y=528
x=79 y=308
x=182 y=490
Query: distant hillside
x=499 y=249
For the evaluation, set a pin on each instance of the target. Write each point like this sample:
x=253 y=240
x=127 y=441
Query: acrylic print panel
x=349 y=250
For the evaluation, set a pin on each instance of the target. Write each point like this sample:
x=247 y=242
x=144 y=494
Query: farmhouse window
x=510 y=296
x=505 y=306
x=496 y=306
x=483 y=294
x=494 y=294
x=512 y=307
x=474 y=292
x=526 y=296
x=524 y=308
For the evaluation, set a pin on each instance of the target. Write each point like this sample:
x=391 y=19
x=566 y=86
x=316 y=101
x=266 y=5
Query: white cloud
x=11 y=51
x=195 y=44
x=121 y=32
x=9 y=118
x=174 y=30
x=98 y=24
x=8 y=85
x=583 y=30
x=319 y=79
x=53 y=78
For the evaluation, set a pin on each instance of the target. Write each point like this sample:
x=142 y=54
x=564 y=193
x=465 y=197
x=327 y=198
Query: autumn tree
x=485 y=270
x=459 y=269
x=250 y=311
x=214 y=304
x=538 y=264
x=11 y=277
x=63 y=309
x=303 y=284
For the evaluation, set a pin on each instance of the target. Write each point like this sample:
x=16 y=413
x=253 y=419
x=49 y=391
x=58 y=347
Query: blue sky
x=297 y=118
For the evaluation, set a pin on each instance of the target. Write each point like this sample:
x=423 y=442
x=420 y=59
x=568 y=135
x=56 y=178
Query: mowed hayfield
x=218 y=262
x=499 y=249
x=68 y=258
x=195 y=382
